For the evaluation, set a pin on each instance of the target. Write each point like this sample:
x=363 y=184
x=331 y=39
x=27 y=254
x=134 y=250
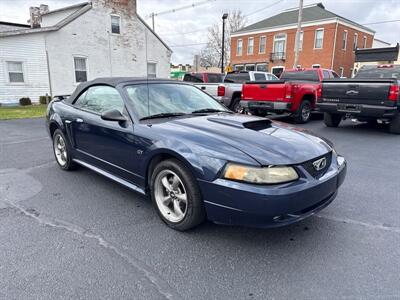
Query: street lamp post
x=224 y=17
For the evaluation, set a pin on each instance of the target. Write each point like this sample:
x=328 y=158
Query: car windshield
x=300 y=75
x=379 y=72
x=170 y=99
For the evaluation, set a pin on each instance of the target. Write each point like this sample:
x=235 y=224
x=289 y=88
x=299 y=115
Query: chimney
x=35 y=17
x=44 y=9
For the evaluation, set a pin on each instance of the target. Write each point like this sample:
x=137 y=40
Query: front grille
x=310 y=168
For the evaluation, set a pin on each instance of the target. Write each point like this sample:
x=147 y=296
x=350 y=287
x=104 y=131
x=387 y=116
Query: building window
x=15 y=72
x=355 y=42
x=151 y=70
x=80 y=69
x=261 y=67
x=263 y=44
x=250 y=46
x=319 y=38
x=279 y=46
x=364 y=42
x=341 y=71
x=115 y=24
x=316 y=66
x=239 y=47
x=344 y=40
x=250 y=67
x=238 y=67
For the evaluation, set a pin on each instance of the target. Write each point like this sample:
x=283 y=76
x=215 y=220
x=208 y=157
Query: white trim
x=273 y=44
x=315 y=38
x=316 y=66
x=265 y=45
x=147 y=68
x=237 y=47
x=365 y=39
x=248 y=43
x=355 y=41
x=303 y=24
x=247 y=65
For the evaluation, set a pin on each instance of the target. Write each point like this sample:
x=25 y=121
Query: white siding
x=107 y=54
x=30 y=50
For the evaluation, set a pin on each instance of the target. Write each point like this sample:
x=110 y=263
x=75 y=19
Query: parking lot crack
x=158 y=282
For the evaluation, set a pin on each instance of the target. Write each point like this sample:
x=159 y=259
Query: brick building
x=326 y=40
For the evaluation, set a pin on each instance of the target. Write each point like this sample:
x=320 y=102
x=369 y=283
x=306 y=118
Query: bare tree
x=210 y=56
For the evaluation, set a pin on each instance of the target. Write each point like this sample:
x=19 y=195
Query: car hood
x=268 y=142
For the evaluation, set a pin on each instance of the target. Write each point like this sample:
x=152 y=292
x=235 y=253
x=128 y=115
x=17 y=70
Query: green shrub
x=44 y=99
x=25 y=101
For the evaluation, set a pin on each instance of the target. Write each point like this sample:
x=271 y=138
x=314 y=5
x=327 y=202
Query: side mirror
x=113 y=115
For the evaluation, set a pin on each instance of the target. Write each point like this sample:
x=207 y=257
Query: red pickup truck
x=295 y=93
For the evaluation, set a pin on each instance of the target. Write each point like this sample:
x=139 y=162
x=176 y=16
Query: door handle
x=203 y=88
x=79 y=120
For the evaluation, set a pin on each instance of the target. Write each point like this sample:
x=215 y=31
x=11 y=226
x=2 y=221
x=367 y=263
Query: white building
x=81 y=42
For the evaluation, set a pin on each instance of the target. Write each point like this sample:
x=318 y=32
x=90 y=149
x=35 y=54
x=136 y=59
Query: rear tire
x=332 y=120
x=303 y=113
x=394 y=126
x=176 y=195
x=236 y=106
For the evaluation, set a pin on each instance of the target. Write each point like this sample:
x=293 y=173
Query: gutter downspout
x=48 y=67
x=334 y=44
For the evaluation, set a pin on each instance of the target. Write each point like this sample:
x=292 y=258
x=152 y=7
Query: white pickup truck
x=227 y=90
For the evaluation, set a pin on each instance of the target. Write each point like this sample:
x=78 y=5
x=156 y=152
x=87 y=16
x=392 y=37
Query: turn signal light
x=221 y=91
x=394 y=92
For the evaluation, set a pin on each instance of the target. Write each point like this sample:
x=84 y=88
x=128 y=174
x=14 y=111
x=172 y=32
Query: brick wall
x=308 y=55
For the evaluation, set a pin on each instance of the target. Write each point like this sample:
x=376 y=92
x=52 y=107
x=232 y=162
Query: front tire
x=62 y=151
x=176 y=195
x=332 y=120
x=303 y=114
x=394 y=126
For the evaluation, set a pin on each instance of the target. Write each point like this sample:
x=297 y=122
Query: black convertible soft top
x=113 y=81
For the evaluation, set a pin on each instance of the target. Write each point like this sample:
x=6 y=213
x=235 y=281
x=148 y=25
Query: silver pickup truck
x=228 y=91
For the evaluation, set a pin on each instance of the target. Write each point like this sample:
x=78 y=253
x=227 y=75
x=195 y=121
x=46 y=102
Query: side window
x=99 y=99
x=259 y=76
x=326 y=74
x=335 y=75
x=214 y=78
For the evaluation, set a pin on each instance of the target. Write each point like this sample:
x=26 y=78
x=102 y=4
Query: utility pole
x=224 y=17
x=152 y=20
x=297 y=42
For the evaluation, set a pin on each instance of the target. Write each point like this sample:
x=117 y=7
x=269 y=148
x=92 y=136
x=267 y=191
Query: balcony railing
x=277 y=56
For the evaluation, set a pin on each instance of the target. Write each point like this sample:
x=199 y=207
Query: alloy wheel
x=60 y=150
x=170 y=195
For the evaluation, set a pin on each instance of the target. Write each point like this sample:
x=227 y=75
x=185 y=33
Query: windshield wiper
x=164 y=115
x=210 y=110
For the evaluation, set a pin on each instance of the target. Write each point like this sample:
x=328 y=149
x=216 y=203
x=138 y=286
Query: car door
x=108 y=145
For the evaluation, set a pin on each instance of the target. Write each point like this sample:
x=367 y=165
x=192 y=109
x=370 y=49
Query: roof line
x=14 y=24
x=59 y=25
x=66 y=8
x=304 y=6
x=153 y=32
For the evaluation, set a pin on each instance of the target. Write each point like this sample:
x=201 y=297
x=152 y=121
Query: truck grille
x=311 y=168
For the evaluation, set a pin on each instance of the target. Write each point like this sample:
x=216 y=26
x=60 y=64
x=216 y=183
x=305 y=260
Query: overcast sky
x=189 y=26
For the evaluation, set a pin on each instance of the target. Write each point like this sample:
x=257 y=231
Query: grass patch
x=22 y=112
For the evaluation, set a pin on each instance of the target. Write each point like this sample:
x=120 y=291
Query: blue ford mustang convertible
x=195 y=158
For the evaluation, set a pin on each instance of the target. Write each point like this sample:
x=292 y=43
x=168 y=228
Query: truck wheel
x=332 y=120
x=303 y=113
x=236 y=106
x=394 y=126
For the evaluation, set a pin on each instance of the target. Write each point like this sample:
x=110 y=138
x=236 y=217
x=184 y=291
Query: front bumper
x=235 y=203
x=361 y=110
x=266 y=105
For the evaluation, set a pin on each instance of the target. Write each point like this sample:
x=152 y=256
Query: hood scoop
x=256 y=125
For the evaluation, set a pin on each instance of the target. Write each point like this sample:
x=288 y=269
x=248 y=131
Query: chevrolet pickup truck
x=207 y=82
x=373 y=94
x=295 y=93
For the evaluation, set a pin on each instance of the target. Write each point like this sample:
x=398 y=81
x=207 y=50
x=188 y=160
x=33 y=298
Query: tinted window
x=259 y=76
x=335 y=75
x=272 y=77
x=301 y=75
x=237 y=77
x=376 y=72
x=152 y=99
x=215 y=78
x=193 y=78
x=326 y=74
x=99 y=99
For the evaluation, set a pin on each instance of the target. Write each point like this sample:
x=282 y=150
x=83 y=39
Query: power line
x=265 y=7
x=187 y=45
x=179 y=8
x=382 y=22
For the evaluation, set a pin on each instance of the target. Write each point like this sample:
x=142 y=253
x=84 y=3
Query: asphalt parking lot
x=79 y=235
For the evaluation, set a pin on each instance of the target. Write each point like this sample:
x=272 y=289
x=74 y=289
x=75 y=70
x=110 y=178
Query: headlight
x=267 y=175
x=339 y=159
